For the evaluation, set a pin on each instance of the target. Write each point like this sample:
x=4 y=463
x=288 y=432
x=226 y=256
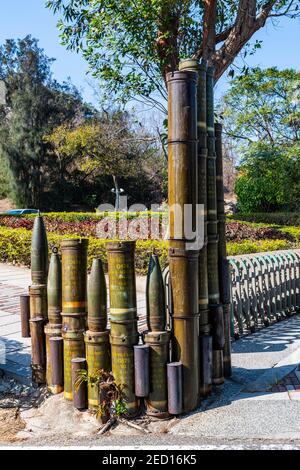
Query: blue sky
x=20 y=17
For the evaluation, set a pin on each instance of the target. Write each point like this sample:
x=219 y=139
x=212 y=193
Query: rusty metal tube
x=79 y=394
x=174 y=378
x=97 y=351
x=25 y=315
x=38 y=350
x=141 y=370
x=57 y=365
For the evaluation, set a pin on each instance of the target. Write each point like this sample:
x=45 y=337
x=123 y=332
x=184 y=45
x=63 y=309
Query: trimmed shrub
x=277 y=218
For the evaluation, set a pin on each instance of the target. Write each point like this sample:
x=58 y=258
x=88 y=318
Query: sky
x=281 y=43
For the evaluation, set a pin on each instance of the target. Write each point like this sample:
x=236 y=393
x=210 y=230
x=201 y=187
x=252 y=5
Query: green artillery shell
x=54 y=288
x=155 y=296
x=73 y=347
x=122 y=287
x=123 y=317
x=38 y=350
x=38 y=301
x=51 y=331
x=97 y=298
x=157 y=401
x=74 y=275
x=224 y=270
x=97 y=350
x=39 y=252
x=218 y=372
x=122 y=358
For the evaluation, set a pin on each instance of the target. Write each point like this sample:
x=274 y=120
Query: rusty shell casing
x=73 y=321
x=39 y=252
x=175 y=395
x=54 y=289
x=157 y=400
x=141 y=370
x=184 y=278
x=80 y=394
x=218 y=368
x=227 y=345
x=38 y=350
x=97 y=352
x=122 y=287
x=155 y=296
x=217 y=326
x=74 y=275
x=97 y=298
x=51 y=331
x=182 y=151
x=56 y=348
x=122 y=358
x=73 y=347
x=124 y=328
x=185 y=349
x=38 y=301
x=206 y=365
x=25 y=315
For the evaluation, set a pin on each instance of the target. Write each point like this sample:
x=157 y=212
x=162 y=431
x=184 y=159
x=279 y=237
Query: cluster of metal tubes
x=173 y=364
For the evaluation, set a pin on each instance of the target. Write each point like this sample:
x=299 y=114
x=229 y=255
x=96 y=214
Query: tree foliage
x=110 y=148
x=132 y=44
x=34 y=104
x=262 y=115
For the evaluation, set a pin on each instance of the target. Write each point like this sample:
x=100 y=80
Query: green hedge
x=82 y=216
x=277 y=218
x=15 y=247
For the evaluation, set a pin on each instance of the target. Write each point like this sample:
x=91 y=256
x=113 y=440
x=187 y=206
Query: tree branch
x=246 y=24
x=209 y=29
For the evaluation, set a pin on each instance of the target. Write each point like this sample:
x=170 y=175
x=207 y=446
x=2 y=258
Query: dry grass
x=10 y=425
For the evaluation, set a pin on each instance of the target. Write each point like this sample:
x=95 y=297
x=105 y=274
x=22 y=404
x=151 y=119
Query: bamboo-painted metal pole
x=182 y=195
x=205 y=340
x=215 y=308
x=224 y=270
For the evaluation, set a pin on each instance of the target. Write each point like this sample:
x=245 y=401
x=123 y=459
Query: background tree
x=261 y=115
x=132 y=44
x=34 y=104
x=110 y=150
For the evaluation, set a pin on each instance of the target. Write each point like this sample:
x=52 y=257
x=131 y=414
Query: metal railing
x=265 y=288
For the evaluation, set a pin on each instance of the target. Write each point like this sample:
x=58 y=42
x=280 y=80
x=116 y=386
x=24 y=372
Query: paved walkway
x=259 y=403
x=13 y=282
